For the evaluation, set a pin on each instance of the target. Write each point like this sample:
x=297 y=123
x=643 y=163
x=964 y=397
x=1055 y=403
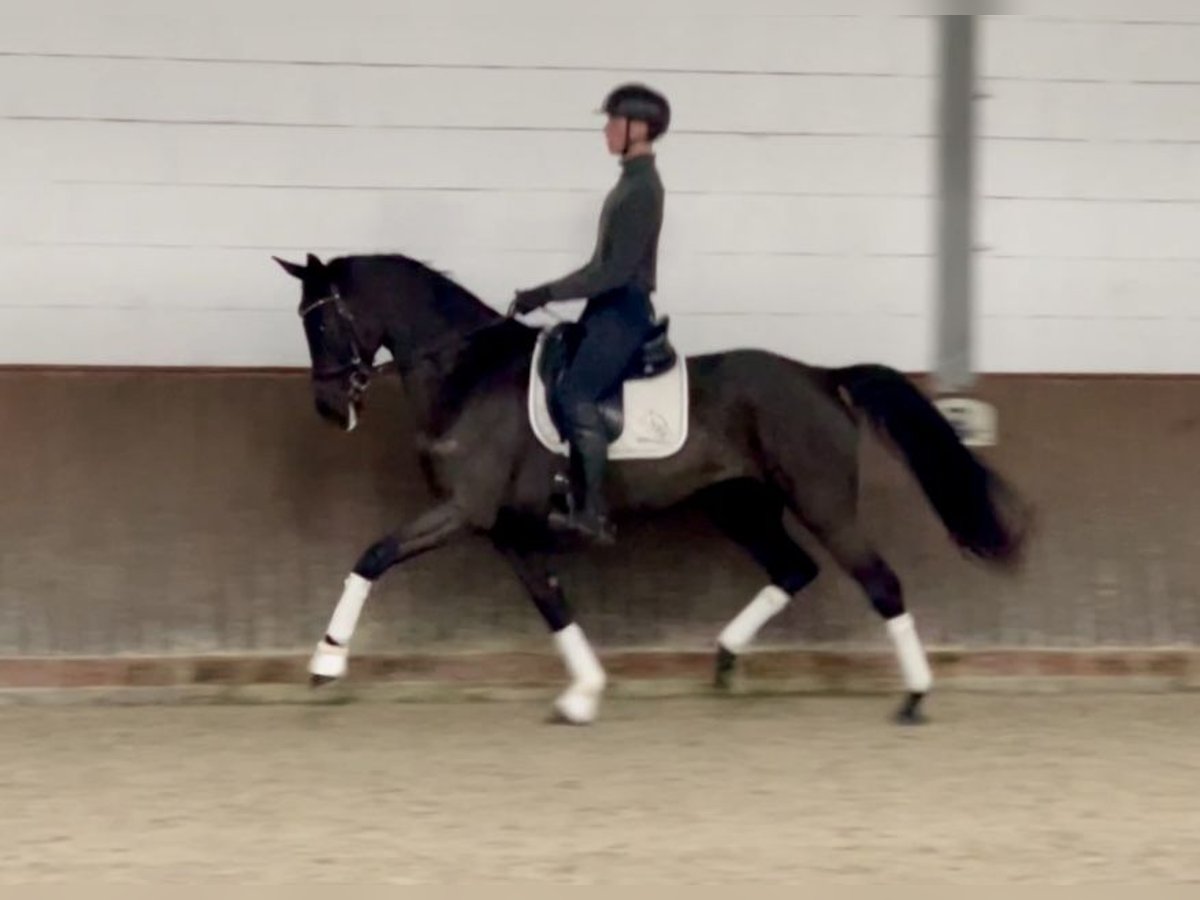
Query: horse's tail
x=981 y=512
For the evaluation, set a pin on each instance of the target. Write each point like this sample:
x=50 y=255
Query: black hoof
x=317 y=681
x=910 y=711
x=726 y=664
x=557 y=718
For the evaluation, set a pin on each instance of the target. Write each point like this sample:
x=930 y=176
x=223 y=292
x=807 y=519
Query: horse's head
x=340 y=346
x=354 y=305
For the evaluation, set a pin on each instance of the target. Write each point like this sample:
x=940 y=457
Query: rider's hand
x=528 y=301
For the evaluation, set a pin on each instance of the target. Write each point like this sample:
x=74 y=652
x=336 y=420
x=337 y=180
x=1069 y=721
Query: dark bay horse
x=767 y=435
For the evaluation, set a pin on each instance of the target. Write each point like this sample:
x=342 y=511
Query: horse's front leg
x=580 y=702
x=428 y=532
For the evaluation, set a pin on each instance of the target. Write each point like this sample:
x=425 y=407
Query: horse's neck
x=443 y=330
x=442 y=379
x=459 y=308
x=424 y=309
x=446 y=341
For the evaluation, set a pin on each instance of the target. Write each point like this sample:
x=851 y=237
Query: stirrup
x=595 y=528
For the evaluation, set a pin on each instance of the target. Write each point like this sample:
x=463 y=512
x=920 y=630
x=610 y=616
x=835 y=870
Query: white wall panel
x=715 y=35
x=154 y=158
x=1090 y=169
x=315 y=158
x=454 y=98
x=151 y=159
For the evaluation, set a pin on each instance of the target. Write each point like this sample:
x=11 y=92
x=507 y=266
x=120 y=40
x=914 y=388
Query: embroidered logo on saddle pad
x=646 y=418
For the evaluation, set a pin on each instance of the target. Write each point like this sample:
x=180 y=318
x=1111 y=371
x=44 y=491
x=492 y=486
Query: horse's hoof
x=557 y=717
x=575 y=709
x=910 y=711
x=726 y=664
x=329 y=663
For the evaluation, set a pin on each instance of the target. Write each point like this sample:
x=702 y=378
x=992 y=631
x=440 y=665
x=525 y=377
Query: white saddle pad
x=656 y=414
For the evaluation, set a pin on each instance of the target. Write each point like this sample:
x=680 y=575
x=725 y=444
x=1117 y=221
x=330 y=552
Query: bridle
x=359 y=370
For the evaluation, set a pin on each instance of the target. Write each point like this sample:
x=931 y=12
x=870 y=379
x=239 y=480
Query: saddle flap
x=558 y=345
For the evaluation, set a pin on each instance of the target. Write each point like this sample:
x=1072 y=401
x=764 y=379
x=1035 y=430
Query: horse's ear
x=294 y=269
x=314 y=264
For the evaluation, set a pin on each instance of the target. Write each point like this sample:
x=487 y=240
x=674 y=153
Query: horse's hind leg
x=751 y=514
x=815 y=469
x=429 y=531
x=853 y=552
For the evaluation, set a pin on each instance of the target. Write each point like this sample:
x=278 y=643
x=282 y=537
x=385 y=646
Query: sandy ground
x=1058 y=789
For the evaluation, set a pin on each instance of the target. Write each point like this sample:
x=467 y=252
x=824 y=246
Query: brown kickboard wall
x=180 y=513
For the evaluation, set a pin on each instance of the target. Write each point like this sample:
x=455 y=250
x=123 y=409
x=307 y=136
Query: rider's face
x=615 y=134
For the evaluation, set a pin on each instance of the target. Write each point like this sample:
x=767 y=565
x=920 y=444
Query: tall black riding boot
x=589 y=458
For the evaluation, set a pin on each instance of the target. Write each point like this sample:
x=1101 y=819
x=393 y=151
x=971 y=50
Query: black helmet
x=636 y=101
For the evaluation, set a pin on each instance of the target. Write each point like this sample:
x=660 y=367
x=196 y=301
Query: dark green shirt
x=627 y=241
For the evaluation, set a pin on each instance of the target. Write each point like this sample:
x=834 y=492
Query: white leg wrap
x=345 y=617
x=329 y=660
x=580 y=702
x=767 y=604
x=913 y=664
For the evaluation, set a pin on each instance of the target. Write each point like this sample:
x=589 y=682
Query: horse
x=766 y=436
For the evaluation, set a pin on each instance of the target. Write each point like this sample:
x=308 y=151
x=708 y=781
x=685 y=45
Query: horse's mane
x=345 y=269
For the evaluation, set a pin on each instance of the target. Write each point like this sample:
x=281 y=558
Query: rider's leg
x=614 y=328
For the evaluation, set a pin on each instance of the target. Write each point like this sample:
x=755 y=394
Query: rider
x=618 y=282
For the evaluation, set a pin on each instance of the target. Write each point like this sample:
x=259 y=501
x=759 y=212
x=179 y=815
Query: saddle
x=558 y=347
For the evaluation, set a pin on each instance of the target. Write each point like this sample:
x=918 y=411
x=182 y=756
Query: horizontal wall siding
x=154 y=161
x=1091 y=177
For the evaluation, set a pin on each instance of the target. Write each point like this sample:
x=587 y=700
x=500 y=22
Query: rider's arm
x=631 y=229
